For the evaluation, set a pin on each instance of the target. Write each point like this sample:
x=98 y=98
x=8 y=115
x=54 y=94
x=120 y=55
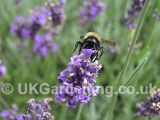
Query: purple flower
x=77 y=80
x=20 y=28
x=56 y=12
x=35 y=111
x=3 y=69
x=37 y=19
x=12 y=114
x=39 y=16
x=38 y=29
x=133 y=13
x=28 y=28
x=151 y=107
x=44 y=43
x=91 y=9
x=38 y=110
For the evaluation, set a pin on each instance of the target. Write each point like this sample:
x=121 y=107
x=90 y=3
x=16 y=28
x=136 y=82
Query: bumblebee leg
x=102 y=51
x=94 y=56
x=83 y=46
x=76 y=46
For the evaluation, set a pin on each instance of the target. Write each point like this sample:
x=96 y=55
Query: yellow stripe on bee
x=92 y=34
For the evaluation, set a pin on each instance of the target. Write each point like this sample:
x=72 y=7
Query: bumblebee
x=92 y=40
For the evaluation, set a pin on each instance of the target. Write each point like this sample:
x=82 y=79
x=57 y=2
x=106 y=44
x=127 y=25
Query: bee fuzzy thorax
x=92 y=34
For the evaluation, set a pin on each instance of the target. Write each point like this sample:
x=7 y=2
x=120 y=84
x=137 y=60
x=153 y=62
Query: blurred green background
x=108 y=24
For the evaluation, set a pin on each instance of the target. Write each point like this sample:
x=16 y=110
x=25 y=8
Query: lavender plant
x=109 y=115
x=43 y=43
x=37 y=28
x=20 y=28
x=91 y=9
x=133 y=13
x=77 y=81
x=55 y=12
x=11 y=114
x=37 y=20
x=35 y=111
x=151 y=107
x=38 y=110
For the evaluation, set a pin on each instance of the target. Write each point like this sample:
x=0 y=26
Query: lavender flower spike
x=44 y=43
x=151 y=107
x=12 y=114
x=3 y=69
x=56 y=12
x=133 y=12
x=77 y=81
x=91 y=9
x=38 y=110
x=19 y=28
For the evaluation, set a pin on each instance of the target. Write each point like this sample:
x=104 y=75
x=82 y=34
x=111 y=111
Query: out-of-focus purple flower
x=151 y=107
x=43 y=44
x=39 y=16
x=20 y=28
x=28 y=28
x=37 y=27
x=129 y=24
x=37 y=19
x=91 y=9
x=3 y=69
x=133 y=13
x=56 y=12
x=12 y=114
x=77 y=80
x=38 y=110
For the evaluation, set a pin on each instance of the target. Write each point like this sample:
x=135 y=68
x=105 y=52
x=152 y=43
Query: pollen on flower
x=81 y=81
x=38 y=110
x=151 y=107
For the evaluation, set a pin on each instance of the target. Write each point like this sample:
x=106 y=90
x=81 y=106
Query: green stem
x=79 y=112
x=136 y=71
x=149 y=118
x=133 y=116
x=109 y=116
x=136 y=35
x=3 y=102
x=63 y=113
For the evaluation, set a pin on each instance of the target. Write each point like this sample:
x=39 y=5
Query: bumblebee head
x=91 y=35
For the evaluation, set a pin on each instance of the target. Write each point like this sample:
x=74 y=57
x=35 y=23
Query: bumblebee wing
x=109 y=42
